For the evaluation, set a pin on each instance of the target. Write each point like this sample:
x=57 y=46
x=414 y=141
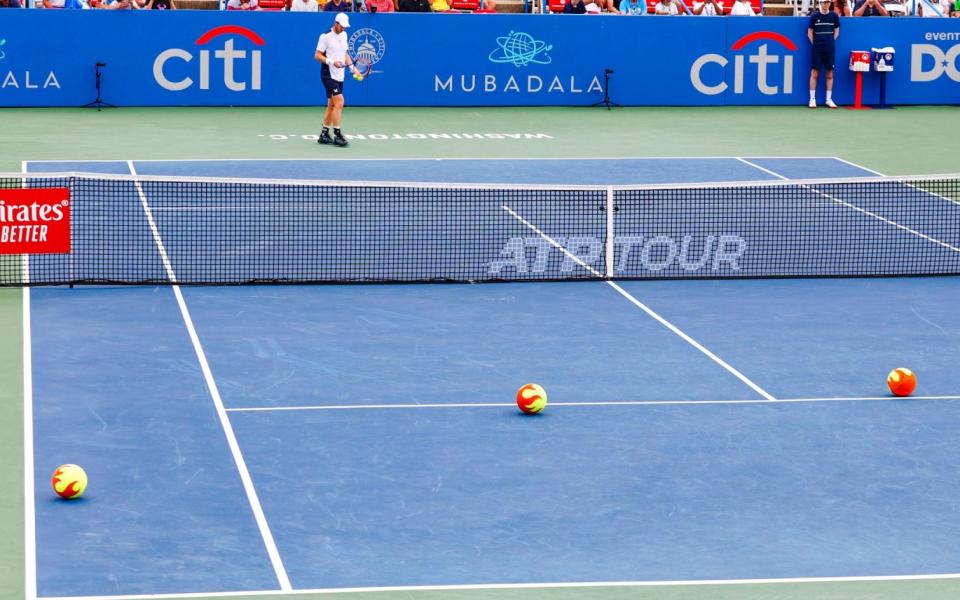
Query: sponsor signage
x=213 y=58
x=35 y=221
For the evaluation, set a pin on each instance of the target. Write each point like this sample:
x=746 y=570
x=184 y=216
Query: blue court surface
x=366 y=436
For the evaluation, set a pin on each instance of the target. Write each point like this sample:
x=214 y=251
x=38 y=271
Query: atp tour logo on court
x=636 y=254
x=368 y=44
x=35 y=221
x=244 y=64
x=521 y=50
x=930 y=63
x=24 y=79
x=764 y=60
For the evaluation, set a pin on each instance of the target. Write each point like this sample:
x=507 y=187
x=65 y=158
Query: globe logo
x=520 y=49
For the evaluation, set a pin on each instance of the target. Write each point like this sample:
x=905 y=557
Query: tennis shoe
x=325 y=138
x=339 y=140
x=812 y=103
x=831 y=104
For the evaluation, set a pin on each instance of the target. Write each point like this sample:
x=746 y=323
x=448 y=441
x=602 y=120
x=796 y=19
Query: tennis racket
x=363 y=67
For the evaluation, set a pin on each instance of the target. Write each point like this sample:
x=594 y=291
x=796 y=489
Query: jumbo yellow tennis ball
x=531 y=399
x=902 y=381
x=69 y=481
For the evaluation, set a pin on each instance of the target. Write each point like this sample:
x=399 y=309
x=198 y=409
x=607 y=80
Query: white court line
x=644 y=307
x=439 y=159
x=522 y=586
x=863 y=210
x=853 y=164
x=29 y=478
x=254 y=500
x=756 y=166
x=598 y=403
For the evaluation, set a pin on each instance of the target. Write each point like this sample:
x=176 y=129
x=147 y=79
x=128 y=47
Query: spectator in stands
x=933 y=8
x=842 y=8
x=110 y=4
x=574 y=7
x=869 y=8
x=490 y=7
x=668 y=7
x=64 y=4
x=10 y=4
x=415 y=6
x=304 y=6
x=708 y=8
x=955 y=12
x=243 y=4
x=823 y=31
x=440 y=6
x=742 y=8
x=633 y=7
x=382 y=6
x=157 y=4
x=337 y=6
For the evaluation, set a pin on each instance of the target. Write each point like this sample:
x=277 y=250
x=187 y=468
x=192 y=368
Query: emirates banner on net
x=34 y=221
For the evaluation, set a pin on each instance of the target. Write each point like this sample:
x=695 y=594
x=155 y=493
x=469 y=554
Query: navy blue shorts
x=823 y=60
x=333 y=87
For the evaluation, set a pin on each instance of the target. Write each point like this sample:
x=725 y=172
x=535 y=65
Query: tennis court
x=722 y=438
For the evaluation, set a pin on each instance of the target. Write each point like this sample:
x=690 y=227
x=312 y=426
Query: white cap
x=343 y=19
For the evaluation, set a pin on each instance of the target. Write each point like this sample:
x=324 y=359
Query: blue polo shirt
x=628 y=7
x=823 y=26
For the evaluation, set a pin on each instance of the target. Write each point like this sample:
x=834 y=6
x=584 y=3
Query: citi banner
x=213 y=58
x=35 y=221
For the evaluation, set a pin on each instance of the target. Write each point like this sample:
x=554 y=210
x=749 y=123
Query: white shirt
x=334 y=47
x=930 y=8
x=304 y=6
x=668 y=9
x=235 y=5
x=742 y=9
x=709 y=10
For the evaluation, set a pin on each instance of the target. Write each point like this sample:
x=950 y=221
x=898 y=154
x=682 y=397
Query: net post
x=608 y=244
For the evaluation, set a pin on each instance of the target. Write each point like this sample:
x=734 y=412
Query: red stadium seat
x=465 y=4
x=556 y=6
x=273 y=4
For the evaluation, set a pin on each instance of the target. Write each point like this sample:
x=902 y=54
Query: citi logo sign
x=236 y=63
x=763 y=58
x=941 y=62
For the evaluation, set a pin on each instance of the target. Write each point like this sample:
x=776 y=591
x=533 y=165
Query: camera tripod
x=99 y=103
x=606 y=91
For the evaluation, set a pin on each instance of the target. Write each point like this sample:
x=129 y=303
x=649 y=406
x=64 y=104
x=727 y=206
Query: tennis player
x=334 y=57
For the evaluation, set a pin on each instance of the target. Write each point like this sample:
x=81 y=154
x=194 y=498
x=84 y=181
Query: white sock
x=829 y=95
x=813 y=94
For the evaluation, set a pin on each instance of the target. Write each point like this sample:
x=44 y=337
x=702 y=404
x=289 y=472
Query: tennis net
x=148 y=230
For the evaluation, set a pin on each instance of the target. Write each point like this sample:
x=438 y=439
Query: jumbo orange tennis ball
x=69 y=481
x=902 y=381
x=531 y=399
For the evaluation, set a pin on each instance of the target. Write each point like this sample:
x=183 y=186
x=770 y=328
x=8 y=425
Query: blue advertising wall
x=216 y=58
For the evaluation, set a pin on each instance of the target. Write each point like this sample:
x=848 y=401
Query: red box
x=35 y=221
x=860 y=61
